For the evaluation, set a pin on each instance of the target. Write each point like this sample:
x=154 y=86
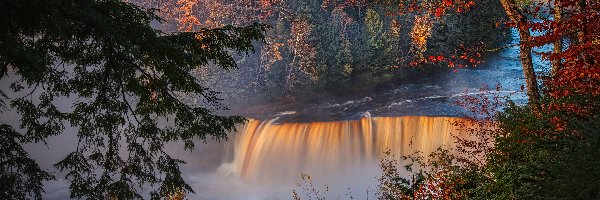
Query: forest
x=307 y=99
x=341 y=46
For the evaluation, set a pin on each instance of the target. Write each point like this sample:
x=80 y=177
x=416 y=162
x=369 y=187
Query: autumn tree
x=519 y=18
x=128 y=88
x=558 y=44
x=551 y=151
x=348 y=45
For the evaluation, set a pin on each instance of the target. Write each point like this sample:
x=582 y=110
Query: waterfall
x=265 y=152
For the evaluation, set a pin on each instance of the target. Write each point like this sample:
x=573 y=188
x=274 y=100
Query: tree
x=551 y=151
x=20 y=176
x=558 y=44
x=130 y=87
x=519 y=19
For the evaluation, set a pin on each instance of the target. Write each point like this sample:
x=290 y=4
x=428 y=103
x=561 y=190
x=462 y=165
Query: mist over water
x=267 y=159
x=337 y=141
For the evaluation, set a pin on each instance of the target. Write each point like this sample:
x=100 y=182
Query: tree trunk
x=527 y=63
x=517 y=17
x=558 y=44
x=581 y=35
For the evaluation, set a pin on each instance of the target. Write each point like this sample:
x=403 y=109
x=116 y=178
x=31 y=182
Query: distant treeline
x=340 y=46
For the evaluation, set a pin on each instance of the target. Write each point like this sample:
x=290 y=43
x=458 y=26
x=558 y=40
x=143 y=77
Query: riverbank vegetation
x=545 y=149
x=330 y=46
x=132 y=76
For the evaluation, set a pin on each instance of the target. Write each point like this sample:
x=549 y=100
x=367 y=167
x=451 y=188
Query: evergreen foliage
x=129 y=90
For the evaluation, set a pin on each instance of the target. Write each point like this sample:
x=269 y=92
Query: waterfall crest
x=265 y=152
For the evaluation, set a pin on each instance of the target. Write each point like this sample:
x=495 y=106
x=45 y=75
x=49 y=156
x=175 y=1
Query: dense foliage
x=547 y=149
x=129 y=88
x=126 y=87
x=340 y=46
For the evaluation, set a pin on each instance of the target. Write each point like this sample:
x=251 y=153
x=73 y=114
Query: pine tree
x=131 y=88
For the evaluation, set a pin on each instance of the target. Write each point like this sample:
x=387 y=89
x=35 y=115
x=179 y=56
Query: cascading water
x=342 y=153
x=266 y=159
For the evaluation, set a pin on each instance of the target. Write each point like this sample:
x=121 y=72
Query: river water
x=338 y=141
x=425 y=96
x=268 y=158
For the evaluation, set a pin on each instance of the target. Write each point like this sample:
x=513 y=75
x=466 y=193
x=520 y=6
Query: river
x=337 y=140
